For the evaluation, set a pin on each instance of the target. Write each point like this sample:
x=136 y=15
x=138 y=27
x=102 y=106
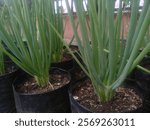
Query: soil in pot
x=74 y=48
x=30 y=97
x=7 y=103
x=9 y=67
x=76 y=74
x=66 y=62
x=126 y=99
x=57 y=80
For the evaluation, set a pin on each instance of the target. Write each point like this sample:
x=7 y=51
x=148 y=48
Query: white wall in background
x=116 y=5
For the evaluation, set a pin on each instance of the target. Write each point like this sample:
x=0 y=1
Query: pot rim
x=14 y=84
x=9 y=74
x=71 y=88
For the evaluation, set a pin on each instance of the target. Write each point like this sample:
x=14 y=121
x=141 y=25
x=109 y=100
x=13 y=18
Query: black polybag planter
x=142 y=78
x=143 y=81
x=144 y=88
x=70 y=64
x=56 y=101
x=7 y=103
x=76 y=68
x=65 y=65
x=77 y=56
x=78 y=108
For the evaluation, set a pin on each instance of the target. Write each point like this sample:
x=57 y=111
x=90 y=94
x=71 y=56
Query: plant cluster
x=33 y=36
x=108 y=59
x=31 y=42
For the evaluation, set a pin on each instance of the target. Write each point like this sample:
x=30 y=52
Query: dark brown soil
x=125 y=99
x=57 y=80
x=77 y=74
x=74 y=48
x=146 y=63
x=66 y=57
x=10 y=69
x=147 y=67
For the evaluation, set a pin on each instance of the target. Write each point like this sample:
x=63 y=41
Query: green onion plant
x=108 y=59
x=2 y=66
x=30 y=22
x=57 y=22
x=147 y=38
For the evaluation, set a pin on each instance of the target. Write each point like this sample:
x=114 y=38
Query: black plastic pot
x=143 y=81
x=66 y=65
x=145 y=89
x=7 y=103
x=78 y=108
x=143 y=78
x=76 y=72
x=56 y=101
x=76 y=52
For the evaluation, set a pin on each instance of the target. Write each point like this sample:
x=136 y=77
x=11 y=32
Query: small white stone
x=76 y=98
